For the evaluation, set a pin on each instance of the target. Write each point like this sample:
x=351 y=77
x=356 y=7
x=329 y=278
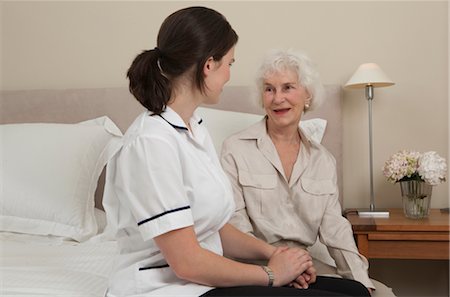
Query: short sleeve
x=149 y=182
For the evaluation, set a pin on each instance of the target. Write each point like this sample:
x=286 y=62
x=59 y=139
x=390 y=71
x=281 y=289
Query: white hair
x=298 y=62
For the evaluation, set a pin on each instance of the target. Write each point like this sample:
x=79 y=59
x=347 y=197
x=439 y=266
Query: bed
x=54 y=148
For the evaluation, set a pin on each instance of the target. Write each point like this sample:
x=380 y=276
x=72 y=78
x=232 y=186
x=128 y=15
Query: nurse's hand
x=288 y=264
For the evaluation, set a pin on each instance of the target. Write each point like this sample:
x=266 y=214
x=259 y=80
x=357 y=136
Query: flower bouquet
x=417 y=173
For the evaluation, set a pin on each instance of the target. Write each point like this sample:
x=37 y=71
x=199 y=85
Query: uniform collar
x=197 y=134
x=174 y=119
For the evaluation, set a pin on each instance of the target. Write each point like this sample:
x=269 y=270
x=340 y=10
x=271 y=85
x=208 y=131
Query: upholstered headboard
x=75 y=105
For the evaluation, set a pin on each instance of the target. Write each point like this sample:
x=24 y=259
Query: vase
x=416 y=196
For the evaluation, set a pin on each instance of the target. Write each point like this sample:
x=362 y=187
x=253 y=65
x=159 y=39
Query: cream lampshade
x=369 y=76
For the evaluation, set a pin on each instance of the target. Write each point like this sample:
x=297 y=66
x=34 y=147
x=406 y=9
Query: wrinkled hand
x=290 y=264
x=305 y=279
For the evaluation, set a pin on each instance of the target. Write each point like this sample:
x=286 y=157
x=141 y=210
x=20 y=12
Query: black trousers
x=324 y=286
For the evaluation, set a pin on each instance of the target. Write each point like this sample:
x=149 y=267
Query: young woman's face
x=217 y=76
x=283 y=98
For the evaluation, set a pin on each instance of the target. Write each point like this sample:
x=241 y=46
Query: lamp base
x=374 y=213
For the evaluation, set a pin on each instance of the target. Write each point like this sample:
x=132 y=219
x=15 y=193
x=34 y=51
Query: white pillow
x=314 y=128
x=49 y=173
x=223 y=123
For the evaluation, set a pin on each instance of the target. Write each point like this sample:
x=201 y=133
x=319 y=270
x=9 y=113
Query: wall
x=91 y=44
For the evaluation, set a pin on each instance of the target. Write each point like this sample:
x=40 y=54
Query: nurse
x=167 y=198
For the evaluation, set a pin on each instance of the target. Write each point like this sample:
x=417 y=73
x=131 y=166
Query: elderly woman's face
x=283 y=98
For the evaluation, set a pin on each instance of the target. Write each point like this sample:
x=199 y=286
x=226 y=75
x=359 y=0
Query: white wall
x=91 y=44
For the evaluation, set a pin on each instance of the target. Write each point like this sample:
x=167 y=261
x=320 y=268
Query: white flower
x=432 y=168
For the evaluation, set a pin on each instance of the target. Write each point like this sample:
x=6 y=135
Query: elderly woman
x=284 y=183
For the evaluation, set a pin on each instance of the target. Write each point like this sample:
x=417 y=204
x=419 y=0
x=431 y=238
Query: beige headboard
x=75 y=105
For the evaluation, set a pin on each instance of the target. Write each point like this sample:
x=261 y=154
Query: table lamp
x=369 y=76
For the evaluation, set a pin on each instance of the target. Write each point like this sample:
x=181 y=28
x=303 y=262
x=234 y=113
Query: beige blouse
x=293 y=212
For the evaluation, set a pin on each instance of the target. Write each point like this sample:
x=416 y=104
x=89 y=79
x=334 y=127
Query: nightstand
x=399 y=237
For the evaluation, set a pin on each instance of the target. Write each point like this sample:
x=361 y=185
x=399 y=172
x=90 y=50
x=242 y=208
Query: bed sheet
x=44 y=266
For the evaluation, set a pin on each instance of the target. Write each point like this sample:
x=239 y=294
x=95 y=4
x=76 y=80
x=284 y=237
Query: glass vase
x=416 y=196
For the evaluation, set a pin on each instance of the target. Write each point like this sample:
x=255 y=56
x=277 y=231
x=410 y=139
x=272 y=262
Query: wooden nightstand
x=398 y=237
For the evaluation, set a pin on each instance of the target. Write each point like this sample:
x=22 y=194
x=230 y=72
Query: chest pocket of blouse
x=318 y=186
x=259 y=192
x=315 y=196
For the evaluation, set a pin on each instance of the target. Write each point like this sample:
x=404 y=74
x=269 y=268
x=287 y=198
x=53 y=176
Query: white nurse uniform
x=164 y=178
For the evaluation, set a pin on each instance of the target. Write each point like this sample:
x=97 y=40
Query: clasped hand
x=292 y=266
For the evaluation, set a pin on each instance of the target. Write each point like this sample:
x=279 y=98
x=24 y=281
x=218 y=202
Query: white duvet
x=43 y=266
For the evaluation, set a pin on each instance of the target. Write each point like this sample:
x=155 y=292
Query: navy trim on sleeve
x=162 y=214
x=154 y=267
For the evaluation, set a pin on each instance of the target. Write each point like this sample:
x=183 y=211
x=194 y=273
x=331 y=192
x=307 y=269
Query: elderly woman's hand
x=288 y=264
x=305 y=279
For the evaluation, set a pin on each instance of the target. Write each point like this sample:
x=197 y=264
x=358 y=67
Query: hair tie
x=158 y=51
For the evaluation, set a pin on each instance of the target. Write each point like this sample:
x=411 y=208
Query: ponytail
x=186 y=40
x=147 y=84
